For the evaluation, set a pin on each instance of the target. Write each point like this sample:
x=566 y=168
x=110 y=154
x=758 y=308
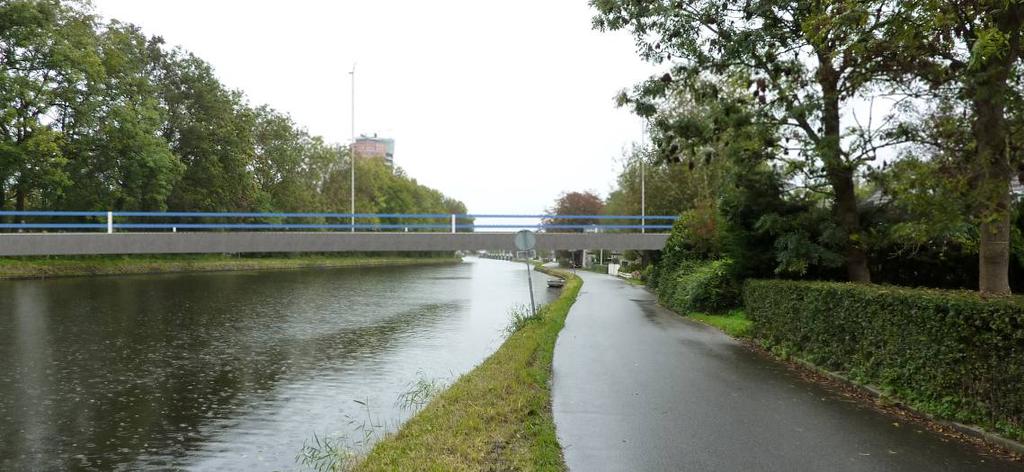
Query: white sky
x=502 y=105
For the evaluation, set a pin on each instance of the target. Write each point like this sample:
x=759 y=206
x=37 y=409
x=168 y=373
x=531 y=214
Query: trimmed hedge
x=706 y=286
x=949 y=353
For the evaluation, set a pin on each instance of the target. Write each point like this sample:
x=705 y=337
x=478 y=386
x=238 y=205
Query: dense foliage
x=97 y=116
x=867 y=141
x=574 y=204
x=955 y=354
x=698 y=286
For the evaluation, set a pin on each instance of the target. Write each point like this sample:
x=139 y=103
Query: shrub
x=697 y=233
x=645 y=275
x=688 y=234
x=707 y=286
x=949 y=353
x=519 y=316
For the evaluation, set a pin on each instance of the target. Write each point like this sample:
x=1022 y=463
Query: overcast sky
x=502 y=105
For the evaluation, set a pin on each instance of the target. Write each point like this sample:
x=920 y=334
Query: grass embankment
x=45 y=267
x=496 y=417
x=735 y=323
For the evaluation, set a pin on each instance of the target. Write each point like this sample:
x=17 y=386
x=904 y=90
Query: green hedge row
x=706 y=286
x=953 y=354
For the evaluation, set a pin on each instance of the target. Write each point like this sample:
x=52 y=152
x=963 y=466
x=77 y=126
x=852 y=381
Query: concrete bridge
x=84 y=233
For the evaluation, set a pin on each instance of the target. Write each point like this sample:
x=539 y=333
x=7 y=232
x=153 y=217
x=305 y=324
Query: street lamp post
x=352 y=156
x=643 y=183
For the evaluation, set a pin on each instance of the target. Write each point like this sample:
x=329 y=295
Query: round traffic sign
x=525 y=240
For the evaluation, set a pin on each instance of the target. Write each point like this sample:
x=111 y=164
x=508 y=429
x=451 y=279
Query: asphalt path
x=639 y=388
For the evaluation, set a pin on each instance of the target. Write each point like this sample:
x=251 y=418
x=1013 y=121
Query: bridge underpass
x=95 y=233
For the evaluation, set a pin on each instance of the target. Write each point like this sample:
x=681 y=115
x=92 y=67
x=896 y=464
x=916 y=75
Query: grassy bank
x=45 y=267
x=735 y=323
x=496 y=417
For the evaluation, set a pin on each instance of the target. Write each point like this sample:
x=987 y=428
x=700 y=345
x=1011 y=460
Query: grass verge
x=498 y=416
x=735 y=323
x=46 y=267
x=636 y=282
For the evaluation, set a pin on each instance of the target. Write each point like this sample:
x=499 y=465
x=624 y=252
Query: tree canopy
x=765 y=115
x=575 y=204
x=96 y=115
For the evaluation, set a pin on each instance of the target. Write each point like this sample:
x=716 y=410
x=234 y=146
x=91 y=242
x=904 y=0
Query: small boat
x=556 y=283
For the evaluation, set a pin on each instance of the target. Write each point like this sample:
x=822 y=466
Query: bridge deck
x=37 y=244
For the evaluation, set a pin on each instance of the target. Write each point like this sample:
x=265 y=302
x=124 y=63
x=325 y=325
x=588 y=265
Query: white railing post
x=110 y=222
x=453 y=224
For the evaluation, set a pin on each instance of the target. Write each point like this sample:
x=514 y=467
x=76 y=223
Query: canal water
x=234 y=370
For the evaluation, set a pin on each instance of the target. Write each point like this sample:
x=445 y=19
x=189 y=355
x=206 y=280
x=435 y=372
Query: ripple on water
x=231 y=371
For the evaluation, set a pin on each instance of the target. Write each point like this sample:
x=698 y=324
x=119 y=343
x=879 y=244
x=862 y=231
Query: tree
x=382 y=189
x=575 y=204
x=289 y=166
x=671 y=187
x=116 y=156
x=725 y=156
x=47 y=56
x=210 y=129
x=803 y=61
x=101 y=117
x=975 y=45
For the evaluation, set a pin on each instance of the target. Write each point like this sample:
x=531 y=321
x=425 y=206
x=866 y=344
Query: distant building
x=367 y=147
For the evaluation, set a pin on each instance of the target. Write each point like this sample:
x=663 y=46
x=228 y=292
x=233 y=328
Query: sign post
x=525 y=241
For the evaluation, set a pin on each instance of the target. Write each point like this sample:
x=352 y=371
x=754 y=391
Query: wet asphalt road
x=639 y=388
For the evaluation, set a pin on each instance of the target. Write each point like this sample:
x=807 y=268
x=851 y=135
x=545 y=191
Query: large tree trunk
x=988 y=87
x=849 y=219
x=19 y=200
x=840 y=174
x=993 y=186
x=19 y=204
x=994 y=256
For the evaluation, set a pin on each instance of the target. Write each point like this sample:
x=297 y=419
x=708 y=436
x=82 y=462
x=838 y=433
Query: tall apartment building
x=367 y=147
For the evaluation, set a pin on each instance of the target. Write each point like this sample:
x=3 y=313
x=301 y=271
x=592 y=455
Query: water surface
x=233 y=370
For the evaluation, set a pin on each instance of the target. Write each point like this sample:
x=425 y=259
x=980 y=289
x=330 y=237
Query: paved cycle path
x=639 y=388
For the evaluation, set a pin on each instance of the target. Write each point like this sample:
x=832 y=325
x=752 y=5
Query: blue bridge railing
x=111 y=221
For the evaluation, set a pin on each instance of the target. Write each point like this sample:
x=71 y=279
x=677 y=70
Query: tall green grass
x=497 y=416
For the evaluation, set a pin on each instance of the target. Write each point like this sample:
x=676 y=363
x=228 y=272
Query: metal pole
x=529 y=277
x=453 y=224
x=643 y=183
x=352 y=154
x=110 y=222
x=643 y=199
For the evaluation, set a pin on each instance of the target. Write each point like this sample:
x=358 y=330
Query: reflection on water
x=230 y=371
